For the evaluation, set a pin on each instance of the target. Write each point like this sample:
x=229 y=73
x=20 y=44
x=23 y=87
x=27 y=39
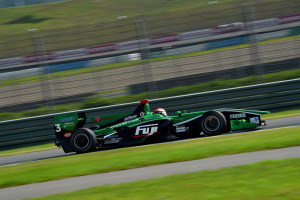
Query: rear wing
x=67 y=123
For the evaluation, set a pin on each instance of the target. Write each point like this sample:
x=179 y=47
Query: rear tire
x=213 y=123
x=83 y=140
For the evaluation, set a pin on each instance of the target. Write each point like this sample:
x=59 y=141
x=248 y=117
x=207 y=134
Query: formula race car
x=143 y=126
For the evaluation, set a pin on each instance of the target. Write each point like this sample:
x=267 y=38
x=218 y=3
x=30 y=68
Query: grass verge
x=287 y=113
x=264 y=180
x=126 y=158
x=22 y=150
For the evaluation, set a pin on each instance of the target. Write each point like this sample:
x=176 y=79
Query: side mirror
x=178 y=113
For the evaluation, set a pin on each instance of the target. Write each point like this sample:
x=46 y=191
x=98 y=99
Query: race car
x=143 y=126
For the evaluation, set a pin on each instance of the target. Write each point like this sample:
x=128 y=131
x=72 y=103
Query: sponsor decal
x=254 y=120
x=106 y=118
x=130 y=117
x=123 y=123
x=112 y=139
x=67 y=135
x=67 y=119
x=180 y=129
x=98 y=119
x=142 y=114
x=146 y=130
x=69 y=124
x=235 y=116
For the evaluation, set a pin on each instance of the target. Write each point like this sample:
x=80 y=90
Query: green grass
x=286 y=113
x=22 y=150
x=82 y=12
x=126 y=158
x=278 y=180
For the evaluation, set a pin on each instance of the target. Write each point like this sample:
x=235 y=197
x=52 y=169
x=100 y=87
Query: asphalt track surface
x=144 y=173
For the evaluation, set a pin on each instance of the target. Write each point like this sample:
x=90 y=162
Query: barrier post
x=40 y=53
x=251 y=37
x=146 y=62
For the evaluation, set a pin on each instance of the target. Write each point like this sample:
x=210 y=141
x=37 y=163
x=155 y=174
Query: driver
x=160 y=111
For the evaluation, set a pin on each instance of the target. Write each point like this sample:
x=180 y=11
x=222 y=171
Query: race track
x=29 y=157
x=144 y=173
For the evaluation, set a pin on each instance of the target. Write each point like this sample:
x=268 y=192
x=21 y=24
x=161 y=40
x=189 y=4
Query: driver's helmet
x=160 y=111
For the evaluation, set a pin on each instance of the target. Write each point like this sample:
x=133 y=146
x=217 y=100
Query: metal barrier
x=273 y=96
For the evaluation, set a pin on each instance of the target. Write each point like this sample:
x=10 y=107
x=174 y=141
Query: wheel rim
x=81 y=141
x=212 y=123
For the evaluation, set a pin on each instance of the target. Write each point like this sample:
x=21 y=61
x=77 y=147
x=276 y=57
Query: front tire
x=213 y=123
x=83 y=140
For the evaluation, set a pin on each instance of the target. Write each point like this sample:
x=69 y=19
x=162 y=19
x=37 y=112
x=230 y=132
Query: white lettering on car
x=57 y=128
x=149 y=129
x=130 y=117
x=235 y=116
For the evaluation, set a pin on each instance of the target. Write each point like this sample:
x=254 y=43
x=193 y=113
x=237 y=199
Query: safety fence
x=275 y=96
x=111 y=62
x=53 y=57
x=81 y=33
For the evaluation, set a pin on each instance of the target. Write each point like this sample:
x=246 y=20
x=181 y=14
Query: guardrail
x=273 y=96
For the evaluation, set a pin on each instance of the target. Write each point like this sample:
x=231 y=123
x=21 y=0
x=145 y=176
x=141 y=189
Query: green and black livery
x=143 y=126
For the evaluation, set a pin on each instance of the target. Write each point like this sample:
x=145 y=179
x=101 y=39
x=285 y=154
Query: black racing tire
x=213 y=123
x=83 y=140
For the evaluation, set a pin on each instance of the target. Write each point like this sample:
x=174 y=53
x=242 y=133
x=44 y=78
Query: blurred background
x=58 y=55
